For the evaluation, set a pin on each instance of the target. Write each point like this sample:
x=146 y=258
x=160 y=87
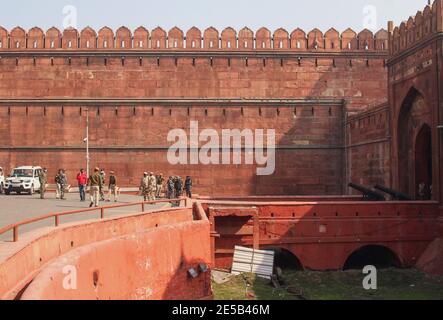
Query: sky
x=273 y=14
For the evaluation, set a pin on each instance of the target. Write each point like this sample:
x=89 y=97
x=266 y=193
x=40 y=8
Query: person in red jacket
x=82 y=180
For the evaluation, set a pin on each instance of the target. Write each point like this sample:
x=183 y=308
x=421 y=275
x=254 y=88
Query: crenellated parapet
x=423 y=26
x=228 y=39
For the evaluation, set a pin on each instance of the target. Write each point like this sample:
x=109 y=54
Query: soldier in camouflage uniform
x=144 y=184
x=152 y=186
x=170 y=188
x=43 y=178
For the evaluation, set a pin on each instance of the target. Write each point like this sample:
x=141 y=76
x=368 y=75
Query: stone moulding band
x=195 y=54
x=154 y=148
x=99 y=102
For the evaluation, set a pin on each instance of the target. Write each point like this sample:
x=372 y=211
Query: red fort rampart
x=138 y=86
x=352 y=107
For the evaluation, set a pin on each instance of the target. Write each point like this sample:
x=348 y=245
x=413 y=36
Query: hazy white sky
x=273 y=14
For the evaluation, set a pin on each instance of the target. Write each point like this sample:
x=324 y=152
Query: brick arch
x=17 y=38
x=3 y=39
x=53 y=39
x=88 y=38
x=410 y=31
x=105 y=38
x=229 y=39
x=141 y=38
x=316 y=40
x=281 y=39
x=158 y=38
x=285 y=258
x=378 y=255
x=299 y=40
x=123 y=38
x=403 y=36
x=246 y=39
x=332 y=40
x=434 y=15
x=175 y=38
x=36 y=38
x=366 y=40
x=349 y=40
x=70 y=39
x=427 y=23
x=194 y=38
x=418 y=25
x=396 y=40
x=211 y=38
x=381 y=39
x=263 y=39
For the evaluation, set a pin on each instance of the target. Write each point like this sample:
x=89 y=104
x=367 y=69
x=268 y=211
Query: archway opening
x=413 y=112
x=378 y=256
x=423 y=164
x=285 y=259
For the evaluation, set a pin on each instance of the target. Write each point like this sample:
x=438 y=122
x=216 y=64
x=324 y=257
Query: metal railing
x=56 y=216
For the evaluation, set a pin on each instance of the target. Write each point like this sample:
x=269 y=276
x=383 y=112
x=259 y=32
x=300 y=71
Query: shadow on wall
x=191 y=281
x=415 y=146
x=311 y=160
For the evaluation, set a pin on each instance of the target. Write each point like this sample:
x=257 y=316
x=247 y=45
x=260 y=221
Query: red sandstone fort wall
x=321 y=73
x=415 y=87
x=368 y=147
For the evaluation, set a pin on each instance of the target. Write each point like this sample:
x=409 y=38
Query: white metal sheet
x=247 y=260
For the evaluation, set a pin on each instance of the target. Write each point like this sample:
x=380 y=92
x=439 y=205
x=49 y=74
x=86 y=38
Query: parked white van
x=23 y=179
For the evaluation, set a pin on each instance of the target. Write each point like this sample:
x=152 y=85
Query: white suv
x=23 y=179
x=2 y=180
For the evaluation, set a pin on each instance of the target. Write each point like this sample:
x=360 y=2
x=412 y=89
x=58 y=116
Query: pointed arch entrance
x=414 y=144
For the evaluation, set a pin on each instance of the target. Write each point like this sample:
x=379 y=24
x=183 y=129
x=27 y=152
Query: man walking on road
x=94 y=183
x=82 y=180
x=62 y=182
x=113 y=189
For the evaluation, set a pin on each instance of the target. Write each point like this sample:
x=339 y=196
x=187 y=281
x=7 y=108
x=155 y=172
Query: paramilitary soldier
x=43 y=178
x=144 y=186
x=152 y=186
x=95 y=183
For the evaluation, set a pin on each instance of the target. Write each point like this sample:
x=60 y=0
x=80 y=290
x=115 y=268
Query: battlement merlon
x=423 y=26
x=194 y=40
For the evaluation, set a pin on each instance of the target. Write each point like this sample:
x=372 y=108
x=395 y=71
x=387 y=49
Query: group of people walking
x=95 y=182
x=175 y=187
x=151 y=186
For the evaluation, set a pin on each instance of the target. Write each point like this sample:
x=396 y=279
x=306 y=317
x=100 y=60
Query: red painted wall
x=151 y=265
x=336 y=229
x=20 y=262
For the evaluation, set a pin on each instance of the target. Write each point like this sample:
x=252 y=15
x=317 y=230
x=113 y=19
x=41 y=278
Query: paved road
x=15 y=208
